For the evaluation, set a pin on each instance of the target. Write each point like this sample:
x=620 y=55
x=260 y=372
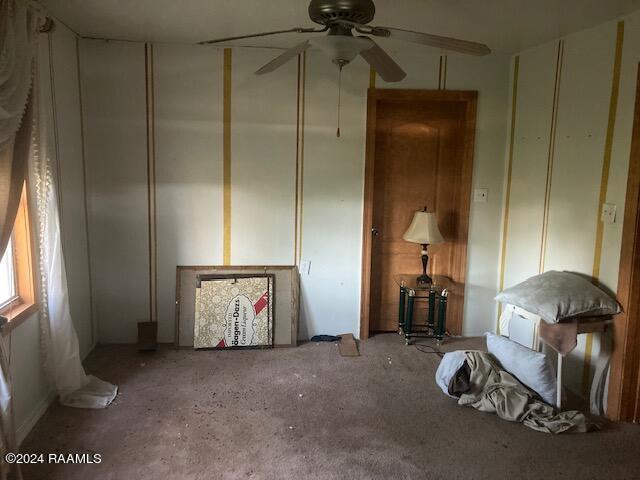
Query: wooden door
x=624 y=377
x=419 y=153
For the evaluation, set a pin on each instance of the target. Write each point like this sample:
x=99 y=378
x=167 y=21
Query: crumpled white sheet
x=95 y=393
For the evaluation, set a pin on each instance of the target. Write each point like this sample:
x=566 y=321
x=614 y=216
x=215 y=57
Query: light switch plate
x=608 y=213
x=305 y=267
x=481 y=195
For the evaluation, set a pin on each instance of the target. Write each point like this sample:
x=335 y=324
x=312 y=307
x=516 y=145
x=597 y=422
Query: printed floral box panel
x=234 y=312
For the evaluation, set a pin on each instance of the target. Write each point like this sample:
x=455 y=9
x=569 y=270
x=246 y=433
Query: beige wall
x=188 y=167
x=188 y=119
x=113 y=87
x=574 y=157
x=32 y=393
x=332 y=200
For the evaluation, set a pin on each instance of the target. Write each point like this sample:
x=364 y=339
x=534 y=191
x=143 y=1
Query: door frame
x=374 y=95
x=624 y=377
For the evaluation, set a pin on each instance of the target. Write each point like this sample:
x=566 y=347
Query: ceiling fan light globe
x=341 y=49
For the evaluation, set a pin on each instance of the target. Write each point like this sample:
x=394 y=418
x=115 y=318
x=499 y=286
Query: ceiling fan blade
x=283 y=58
x=382 y=63
x=438 y=41
x=264 y=34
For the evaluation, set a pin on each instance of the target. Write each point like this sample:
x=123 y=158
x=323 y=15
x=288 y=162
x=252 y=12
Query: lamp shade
x=423 y=229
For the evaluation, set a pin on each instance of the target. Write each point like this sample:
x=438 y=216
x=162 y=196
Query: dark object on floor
x=325 y=338
x=147 y=336
x=460 y=383
x=348 y=346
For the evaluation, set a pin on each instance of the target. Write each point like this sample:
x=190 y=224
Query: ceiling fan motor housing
x=325 y=12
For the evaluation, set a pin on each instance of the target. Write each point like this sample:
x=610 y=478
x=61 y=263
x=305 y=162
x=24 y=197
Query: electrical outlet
x=305 y=267
x=608 y=213
x=481 y=195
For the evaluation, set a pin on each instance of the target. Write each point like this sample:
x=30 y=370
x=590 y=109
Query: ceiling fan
x=341 y=18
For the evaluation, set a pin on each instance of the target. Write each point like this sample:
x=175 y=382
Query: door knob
x=375 y=231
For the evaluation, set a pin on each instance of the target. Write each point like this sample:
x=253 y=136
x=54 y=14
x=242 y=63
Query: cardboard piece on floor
x=348 y=346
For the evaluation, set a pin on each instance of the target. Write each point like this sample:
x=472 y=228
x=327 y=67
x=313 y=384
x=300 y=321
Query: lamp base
x=424 y=280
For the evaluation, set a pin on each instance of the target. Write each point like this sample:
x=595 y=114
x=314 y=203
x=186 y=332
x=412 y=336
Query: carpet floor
x=306 y=413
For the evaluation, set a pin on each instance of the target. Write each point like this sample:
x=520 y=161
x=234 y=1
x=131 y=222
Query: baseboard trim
x=37 y=413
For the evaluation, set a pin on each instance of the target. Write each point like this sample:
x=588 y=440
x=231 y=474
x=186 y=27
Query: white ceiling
x=507 y=26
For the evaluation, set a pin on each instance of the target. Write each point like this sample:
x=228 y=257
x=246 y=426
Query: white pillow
x=449 y=365
x=555 y=296
x=532 y=368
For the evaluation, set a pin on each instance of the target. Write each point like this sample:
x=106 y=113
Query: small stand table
x=436 y=294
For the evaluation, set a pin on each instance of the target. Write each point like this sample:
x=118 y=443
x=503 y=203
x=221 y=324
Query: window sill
x=16 y=315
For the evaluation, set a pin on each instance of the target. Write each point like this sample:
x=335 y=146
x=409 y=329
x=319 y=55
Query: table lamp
x=423 y=230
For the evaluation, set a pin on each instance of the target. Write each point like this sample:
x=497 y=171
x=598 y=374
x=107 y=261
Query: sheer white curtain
x=58 y=336
x=19 y=21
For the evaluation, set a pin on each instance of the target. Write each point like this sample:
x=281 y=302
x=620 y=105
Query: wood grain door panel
x=419 y=156
x=624 y=378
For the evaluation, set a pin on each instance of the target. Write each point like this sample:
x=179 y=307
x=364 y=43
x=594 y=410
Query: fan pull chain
x=339 y=98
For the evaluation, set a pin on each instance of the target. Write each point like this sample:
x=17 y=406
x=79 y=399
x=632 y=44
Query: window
x=7 y=278
x=17 y=293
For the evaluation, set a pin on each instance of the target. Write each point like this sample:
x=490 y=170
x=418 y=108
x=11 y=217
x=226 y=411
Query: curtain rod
x=49 y=24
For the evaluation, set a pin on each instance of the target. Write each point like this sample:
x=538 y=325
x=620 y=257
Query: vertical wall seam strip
x=301 y=173
x=56 y=143
x=551 y=155
x=226 y=156
x=297 y=167
x=444 y=72
x=151 y=180
x=85 y=195
x=507 y=197
x=613 y=105
x=153 y=184
x=146 y=93
x=604 y=183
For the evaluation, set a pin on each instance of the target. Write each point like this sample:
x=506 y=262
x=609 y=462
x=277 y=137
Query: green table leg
x=442 y=313
x=431 y=314
x=401 y=310
x=409 y=318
